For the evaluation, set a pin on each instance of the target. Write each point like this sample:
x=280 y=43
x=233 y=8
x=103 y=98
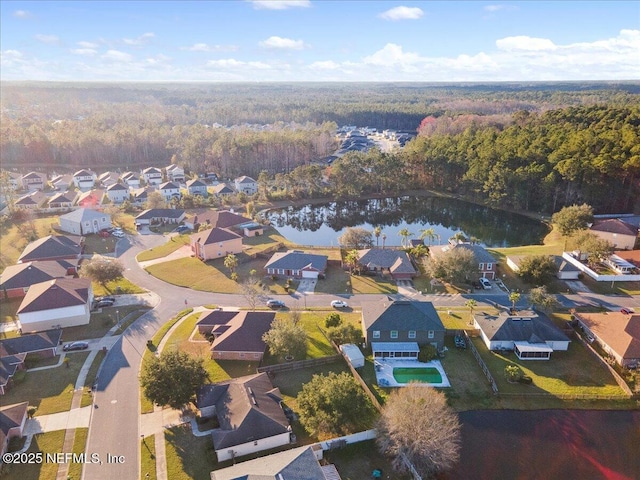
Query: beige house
x=215 y=243
x=617 y=333
x=621 y=235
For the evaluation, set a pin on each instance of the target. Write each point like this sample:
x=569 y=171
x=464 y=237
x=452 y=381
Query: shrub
x=427 y=353
x=332 y=320
x=513 y=373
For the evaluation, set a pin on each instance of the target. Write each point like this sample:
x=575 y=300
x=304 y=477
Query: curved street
x=114 y=431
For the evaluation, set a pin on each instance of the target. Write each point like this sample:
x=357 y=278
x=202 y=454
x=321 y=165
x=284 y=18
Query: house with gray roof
x=34 y=181
x=15 y=280
x=62 y=200
x=297 y=264
x=300 y=463
x=152 y=176
x=237 y=335
x=246 y=185
x=84 y=221
x=397 y=328
x=487 y=264
x=53 y=247
x=118 y=193
x=215 y=243
x=566 y=270
x=396 y=262
x=532 y=336
x=156 y=216
x=197 y=187
x=250 y=415
x=223 y=190
x=84 y=179
x=170 y=190
x=31 y=201
x=12 y=421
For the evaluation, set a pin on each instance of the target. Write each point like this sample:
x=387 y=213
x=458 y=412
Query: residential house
x=396 y=262
x=62 y=200
x=109 y=178
x=237 y=335
x=91 y=199
x=617 y=333
x=84 y=221
x=486 y=263
x=15 y=180
x=139 y=196
x=250 y=229
x=84 y=179
x=32 y=201
x=566 y=270
x=159 y=216
x=397 y=329
x=222 y=190
x=118 y=193
x=297 y=264
x=246 y=185
x=53 y=247
x=215 y=243
x=197 y=187
x=530 y=335
x=15 y=280
x=302 y=463
x=215 y=218
x=620 y=234
x=175 y=173
x=14 y=351
x=250 y=415
x=62 y=302
x=34 y=181
x=131 y=179
x=152 y=176
x=62 y=182
x=169 y=191
x=12 y=421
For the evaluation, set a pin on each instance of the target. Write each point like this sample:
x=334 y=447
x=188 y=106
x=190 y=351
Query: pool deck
x=384 y=372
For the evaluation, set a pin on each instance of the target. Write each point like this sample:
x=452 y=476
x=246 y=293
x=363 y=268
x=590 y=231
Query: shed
x=353 y=355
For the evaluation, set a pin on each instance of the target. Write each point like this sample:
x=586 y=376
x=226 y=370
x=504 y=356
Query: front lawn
x=49 y=390
x=87 y=396
x=50 y=442
x=115 y=287
x=338 y=281
x=188 y=457
x=79 y=445
x=173 y=244
x=148 y=458
x=95 y=244
x=101 y=322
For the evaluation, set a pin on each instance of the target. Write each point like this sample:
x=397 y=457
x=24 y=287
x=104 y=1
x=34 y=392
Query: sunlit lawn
x=115 y=287
x=79 y=444
x=13 y=241
x=101 y=322
x=173 y=244
x=338 y=281
x=49 y=390
x=50 y=442
x=148 y=458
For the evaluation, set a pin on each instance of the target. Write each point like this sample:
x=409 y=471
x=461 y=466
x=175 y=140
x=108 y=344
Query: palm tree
x=405 y=234
x=429 y=233
x=471 y=303
x=384 y=237
x=514 y=297
x=377 y=231
x=231 y=262
x=351 y=260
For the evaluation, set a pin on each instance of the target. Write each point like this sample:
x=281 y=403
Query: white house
x=246 y=185
x=31 y=201
x=131 y=179
x=118 y=193
x=108 y=178
x=34 y=181
x=175 y=173
x=62 y=302
x=152 y=176
x=84 y=180
x=83 y=221
x=169 y=191
x=197 y=187
x=62 y=182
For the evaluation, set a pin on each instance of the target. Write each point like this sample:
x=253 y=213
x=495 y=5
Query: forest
x=534 y=147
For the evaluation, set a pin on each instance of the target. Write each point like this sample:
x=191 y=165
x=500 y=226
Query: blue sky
x=319 y=40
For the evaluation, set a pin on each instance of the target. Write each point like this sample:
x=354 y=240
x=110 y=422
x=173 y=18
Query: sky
x=319 y=40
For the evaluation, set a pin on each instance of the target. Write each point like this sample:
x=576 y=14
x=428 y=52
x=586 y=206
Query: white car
x=339 y=304
x=486 y=284
x=118 y=233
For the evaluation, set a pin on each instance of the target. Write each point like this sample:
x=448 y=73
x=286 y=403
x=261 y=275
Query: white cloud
x=232 y=63
x=88 y=52
x=391 y=55
x=87 y=45
x=499 y=6
x=402 y=13
x=524 y=43
x=23 y=14
x=203 y=47
x=279 y=4
x=282 y=43
x=117 y=56
x=48 y=39
x=325 y=65
x=141 y=40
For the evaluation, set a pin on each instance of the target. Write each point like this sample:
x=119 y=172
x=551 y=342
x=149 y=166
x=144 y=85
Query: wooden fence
x=283 y=367
x=483 y=365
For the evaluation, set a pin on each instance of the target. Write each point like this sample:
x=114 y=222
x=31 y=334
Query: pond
x=321 y=225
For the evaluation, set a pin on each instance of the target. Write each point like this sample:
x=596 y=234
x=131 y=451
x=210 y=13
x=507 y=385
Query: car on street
x=75 y=346
x=486 y=284
x=339 y=304
x=272 y=303
x=627 y=310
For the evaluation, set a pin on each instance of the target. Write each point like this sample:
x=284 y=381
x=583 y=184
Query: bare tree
x=417 y=423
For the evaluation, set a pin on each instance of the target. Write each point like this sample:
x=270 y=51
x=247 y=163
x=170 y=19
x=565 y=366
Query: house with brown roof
x=396 y=262
x=53 y=247
x=62 y=200
x=617 y=333
x=237 y=335
x=215 y=243
x=12 y=421
x=62 y=302
x=15 y=280
x=620 y=234
x=487 y=264
x=91 y=199
x=215 y=218
x=249 y=411
x=31 y=201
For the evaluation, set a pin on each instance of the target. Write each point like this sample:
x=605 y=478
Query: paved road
x=115 y=431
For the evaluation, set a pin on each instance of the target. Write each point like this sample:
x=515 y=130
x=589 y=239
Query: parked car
x=339 y=304
x=459 y=341
x=104 y=303
x=627 y=310
x=275 y=303
x=182 y=229
x=75 y=346
x=486 y=284
x=105 y=298
x=118 y=233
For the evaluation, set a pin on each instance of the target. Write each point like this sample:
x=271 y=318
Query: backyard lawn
x=49 y=390
x=8 y=309
x=50 y=442
x=358 y=460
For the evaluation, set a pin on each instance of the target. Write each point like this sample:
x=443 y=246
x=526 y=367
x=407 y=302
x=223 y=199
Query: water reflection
x=322 y=224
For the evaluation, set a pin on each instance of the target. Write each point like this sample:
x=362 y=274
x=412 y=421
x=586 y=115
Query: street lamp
x=117 y=317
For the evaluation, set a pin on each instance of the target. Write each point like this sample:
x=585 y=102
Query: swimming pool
x=420 y=374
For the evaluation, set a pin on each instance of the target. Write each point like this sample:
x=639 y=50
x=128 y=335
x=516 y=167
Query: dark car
x=275 y=303
x=104 y=303
x=627 y=311
x=182 y=228
x=75 y=346
x=105 y=299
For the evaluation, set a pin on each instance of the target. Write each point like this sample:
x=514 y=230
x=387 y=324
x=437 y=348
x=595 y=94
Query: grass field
x=117 y=286
x=8 y=309
x=100 y=322
x=15 y=237
x=79 y=444
x=358 y=460
x=171 y=246
x=50 y=442
x=148 y=458
x=188 y=457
